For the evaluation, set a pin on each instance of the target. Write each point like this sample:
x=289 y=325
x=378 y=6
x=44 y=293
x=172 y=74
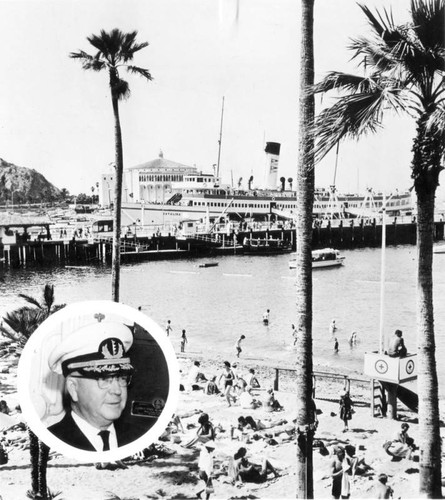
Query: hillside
x=25 y=184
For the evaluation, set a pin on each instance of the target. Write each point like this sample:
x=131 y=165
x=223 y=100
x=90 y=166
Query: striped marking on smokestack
x=272 y=153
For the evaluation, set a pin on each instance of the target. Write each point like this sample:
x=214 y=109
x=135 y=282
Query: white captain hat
x=97 y=349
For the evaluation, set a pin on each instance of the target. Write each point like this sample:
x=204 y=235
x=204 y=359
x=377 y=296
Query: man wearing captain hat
x=97 y=374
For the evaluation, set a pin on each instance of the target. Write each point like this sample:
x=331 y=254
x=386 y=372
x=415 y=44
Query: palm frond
x=429 y=23
x=354 y=116
x=95 y=65
x=48 y=296
x=347 y=82
x=31 y=300
x=372 y=53
x=80 y=55
x=120 y=89
x=25 y=320
x=382 y=25
x=89 y=61
x=139 y=71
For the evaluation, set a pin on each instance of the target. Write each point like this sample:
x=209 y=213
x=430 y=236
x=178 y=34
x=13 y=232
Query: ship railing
x=209 y=238
x=125 y=244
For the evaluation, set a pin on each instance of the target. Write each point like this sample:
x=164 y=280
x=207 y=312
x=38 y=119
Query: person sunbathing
x=248 y=472
x=258 y=425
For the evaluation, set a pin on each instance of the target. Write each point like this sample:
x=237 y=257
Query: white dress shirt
x=92 y=433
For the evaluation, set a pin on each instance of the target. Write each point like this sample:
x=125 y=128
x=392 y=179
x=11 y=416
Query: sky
x=57 y=118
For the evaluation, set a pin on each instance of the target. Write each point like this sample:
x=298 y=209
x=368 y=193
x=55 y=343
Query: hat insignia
x=99 y=317
x=112 y=348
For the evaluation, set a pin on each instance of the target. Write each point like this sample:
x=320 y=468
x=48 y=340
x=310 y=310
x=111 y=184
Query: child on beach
x=168 y=328
x=294 y=333
x=184 y=341
x=205 y=467
x=238 y=345
x=266 y=317
x=382 y=490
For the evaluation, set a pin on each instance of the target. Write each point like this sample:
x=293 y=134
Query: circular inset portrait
x=98 y=381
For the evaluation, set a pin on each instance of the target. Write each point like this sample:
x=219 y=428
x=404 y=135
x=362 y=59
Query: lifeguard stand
x=391 y=373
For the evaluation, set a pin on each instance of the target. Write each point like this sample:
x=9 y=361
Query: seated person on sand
x=205 y=432
x=247 y=401
x=173 y=427
x=358 y=465
x=402 y=444
x=245 y=471
x=252 y=381
x=211 y=387
x=4 y=408
x=195 y=377
x=396 y=348
x=270 y=404
x=240 y=385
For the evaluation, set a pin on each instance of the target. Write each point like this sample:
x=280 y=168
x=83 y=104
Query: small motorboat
x=326 y=257
x=208 y=264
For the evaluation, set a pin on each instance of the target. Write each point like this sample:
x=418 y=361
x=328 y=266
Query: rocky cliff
x=25 y=185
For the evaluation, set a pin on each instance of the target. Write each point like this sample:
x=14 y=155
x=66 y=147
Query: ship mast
x=336 y=163
x=220 y=139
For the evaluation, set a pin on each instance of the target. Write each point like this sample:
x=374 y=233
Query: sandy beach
x=172 y=471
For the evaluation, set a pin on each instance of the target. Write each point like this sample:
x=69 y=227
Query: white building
x=149 y=182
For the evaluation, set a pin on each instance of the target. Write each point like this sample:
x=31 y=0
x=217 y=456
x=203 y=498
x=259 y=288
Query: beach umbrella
x=8 y=421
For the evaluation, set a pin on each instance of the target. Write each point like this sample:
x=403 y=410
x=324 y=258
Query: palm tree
x=305 y=202
x=405 y=66
x=290 y=181
x=20 y=325
x=114 y=50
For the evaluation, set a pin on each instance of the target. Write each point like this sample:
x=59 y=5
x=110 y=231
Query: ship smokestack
x=272 y=155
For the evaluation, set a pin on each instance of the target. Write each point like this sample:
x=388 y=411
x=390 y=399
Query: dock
x=93 y=251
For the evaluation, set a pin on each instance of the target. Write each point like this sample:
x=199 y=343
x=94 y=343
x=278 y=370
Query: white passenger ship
x=166 y=193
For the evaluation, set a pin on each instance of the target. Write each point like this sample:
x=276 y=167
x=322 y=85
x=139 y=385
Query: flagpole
x=382 y=277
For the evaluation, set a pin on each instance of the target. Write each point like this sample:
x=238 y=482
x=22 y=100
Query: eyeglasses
x=105 y=382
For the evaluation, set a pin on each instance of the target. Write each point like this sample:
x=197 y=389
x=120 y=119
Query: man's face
x=99 y=407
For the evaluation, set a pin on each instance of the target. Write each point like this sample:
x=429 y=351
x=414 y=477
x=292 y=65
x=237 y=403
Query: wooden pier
x=138 y=248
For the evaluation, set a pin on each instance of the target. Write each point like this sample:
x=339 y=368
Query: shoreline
x=175 y=475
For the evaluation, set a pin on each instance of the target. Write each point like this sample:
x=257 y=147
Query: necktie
x=105 y=435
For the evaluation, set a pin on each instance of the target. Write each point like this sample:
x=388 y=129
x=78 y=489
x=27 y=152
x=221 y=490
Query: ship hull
x=255 y=206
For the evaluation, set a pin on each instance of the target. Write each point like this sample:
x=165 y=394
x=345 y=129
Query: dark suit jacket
x=68 y=431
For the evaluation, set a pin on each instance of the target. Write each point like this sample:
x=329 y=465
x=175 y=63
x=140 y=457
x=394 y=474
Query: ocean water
x=217 y=304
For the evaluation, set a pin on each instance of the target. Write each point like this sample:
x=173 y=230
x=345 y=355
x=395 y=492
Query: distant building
x=150 y=182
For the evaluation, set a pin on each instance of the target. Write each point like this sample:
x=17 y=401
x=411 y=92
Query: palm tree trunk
x=42 y=467
x=34 y=452
x=426 y=168
x=429 y=432
x=115 y=264
x=305 y=201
